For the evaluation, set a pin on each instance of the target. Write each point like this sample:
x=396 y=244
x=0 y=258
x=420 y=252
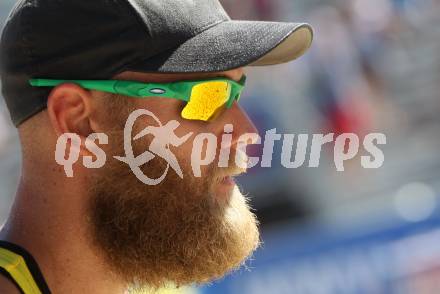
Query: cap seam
x=148 y=29
x=206 y=27
x=138 y=17
x=201 y=30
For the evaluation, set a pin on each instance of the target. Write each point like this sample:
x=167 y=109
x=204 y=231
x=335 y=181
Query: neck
x=49 y=220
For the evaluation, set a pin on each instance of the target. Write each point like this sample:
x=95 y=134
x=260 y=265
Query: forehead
x=234 y=74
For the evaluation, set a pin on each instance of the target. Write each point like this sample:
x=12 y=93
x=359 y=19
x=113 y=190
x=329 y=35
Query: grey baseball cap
x=83 y=39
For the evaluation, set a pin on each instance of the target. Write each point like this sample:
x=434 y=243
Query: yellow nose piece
x=206 y=99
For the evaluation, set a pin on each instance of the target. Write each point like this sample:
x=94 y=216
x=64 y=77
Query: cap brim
x=233 y=44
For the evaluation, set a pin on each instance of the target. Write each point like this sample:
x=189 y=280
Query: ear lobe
x=69 y=108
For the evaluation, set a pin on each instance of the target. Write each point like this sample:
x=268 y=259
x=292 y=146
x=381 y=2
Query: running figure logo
x=164 y=136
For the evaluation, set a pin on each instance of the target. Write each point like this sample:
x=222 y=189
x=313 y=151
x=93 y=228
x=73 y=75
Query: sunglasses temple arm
x=242 y=81
x=235 y=94
x=105 y=86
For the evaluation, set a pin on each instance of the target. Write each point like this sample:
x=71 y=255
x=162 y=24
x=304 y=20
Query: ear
x=69 y=108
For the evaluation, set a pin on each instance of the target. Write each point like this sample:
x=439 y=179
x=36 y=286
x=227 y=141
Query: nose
x=240 y=121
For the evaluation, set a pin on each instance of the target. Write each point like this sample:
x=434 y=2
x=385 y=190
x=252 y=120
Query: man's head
x=96 y=40
x=186 y=228
x=183 y=230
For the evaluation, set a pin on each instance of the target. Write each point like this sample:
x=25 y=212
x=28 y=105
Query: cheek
x=169 y=109
x=200 y=154
x=164 y=109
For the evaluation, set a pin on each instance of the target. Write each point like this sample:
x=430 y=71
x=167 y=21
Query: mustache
x=237 y=165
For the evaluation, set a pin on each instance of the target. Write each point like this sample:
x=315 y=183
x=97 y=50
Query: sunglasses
x=205 y=98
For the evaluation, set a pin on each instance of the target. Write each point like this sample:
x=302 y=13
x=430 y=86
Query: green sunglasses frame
x=180 y=90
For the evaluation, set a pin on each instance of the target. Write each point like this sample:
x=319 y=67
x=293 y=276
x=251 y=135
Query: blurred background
x=374 y=67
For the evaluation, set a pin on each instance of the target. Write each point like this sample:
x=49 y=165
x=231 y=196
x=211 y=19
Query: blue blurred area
x=391 y=257
x=374 y=67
